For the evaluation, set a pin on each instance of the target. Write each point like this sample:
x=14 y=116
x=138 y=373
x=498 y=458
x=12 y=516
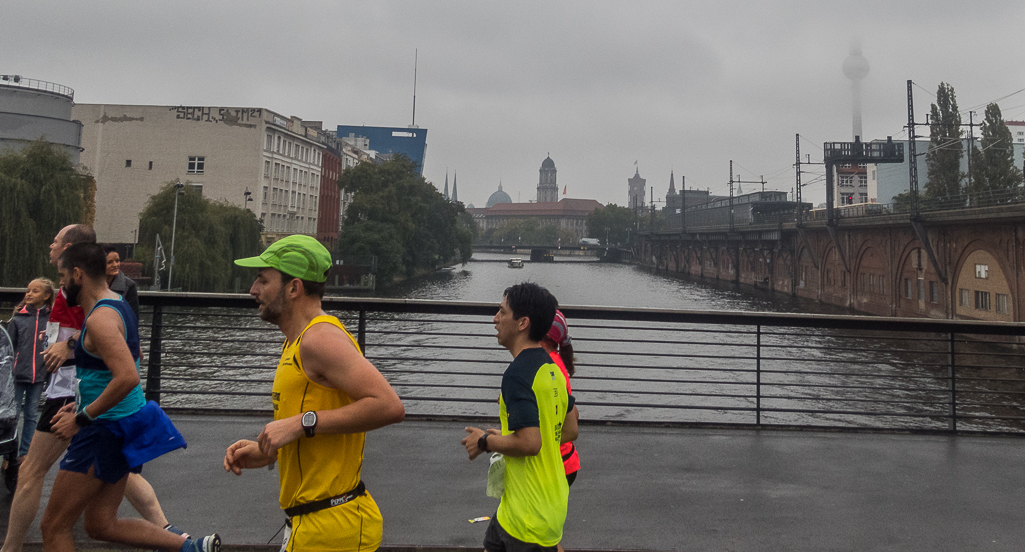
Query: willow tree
x=208 y=237
x=41 y=193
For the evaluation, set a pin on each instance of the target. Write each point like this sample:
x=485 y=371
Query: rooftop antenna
x=416 y=53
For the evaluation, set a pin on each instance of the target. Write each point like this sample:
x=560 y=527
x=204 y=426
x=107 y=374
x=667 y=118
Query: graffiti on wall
x=231 y=116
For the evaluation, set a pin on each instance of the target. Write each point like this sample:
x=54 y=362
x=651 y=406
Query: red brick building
x=329 y=211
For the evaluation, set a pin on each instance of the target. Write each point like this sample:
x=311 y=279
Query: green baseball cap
x=297 y=255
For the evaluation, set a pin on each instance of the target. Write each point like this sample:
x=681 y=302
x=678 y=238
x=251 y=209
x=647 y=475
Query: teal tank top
x=94 y=375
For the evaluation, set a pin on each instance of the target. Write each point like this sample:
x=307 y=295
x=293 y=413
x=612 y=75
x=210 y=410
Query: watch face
x=309 y=419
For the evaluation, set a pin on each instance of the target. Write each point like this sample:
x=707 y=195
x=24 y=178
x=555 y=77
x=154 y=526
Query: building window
x=982 y=271
x=964 y=298
x=934 y=292
x=982 y=300
x=128 y=163
x=1003 y=303
x=862 y=181
x=150 y=165
x=921 y=289
x=266 y=169
x=270 y=142
x=908 y=289
x=265 y=194
x=196 y=165
x=197 y=187
x=846 y=180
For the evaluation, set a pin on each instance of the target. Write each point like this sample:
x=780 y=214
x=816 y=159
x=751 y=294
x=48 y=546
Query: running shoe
x=211 y=543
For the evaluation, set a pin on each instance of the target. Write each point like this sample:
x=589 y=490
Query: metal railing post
x=758 y=374
x=155 y=342
x=953 y=383
x=361 y=331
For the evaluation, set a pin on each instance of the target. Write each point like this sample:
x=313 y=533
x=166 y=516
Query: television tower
x=855 y=67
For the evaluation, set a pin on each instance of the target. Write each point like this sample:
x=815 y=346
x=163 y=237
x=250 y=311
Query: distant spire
x=446 y=184
x=455 y=193
x=672 y=186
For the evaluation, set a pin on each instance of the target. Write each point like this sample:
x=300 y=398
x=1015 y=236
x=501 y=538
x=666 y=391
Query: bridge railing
x=206 y=352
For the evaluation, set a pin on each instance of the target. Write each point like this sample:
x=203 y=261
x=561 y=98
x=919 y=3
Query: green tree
x=41 y=193
x=427 y=227
x=208 y=237
x=612 y=222
x=995 y=178
x=370 y=237
x=943 y=159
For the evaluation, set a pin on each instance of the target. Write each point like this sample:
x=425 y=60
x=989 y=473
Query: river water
x=652 y=372
x=575 y=281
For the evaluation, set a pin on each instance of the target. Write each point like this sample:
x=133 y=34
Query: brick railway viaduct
x=874 y=264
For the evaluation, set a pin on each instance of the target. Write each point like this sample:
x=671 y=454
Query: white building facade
x=134 y=150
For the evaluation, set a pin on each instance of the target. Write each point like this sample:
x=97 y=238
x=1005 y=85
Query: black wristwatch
x=82 y=419
x=309 y=422
x=71 y=342
x=482 y=442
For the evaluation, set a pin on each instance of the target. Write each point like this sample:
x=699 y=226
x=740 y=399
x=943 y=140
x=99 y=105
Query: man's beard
x=71 y=293
x=272 y=311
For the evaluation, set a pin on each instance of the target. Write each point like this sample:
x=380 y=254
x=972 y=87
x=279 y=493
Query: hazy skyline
x=597 y=85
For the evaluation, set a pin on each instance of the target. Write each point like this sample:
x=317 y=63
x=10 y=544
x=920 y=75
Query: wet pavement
x=641 y=489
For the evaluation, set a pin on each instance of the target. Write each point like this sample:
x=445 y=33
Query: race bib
x=286 y=537
x=63 y=383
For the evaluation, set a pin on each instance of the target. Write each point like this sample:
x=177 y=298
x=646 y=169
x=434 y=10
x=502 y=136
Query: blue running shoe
x=210 y=543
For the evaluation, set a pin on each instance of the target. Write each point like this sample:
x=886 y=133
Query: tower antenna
x=416 y=53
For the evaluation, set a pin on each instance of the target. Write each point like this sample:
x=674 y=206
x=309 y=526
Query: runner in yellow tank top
x=331 y=463
x=326 y=396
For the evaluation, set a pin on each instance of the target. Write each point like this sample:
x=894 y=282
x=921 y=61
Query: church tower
x=547 y=189
x=636 y=184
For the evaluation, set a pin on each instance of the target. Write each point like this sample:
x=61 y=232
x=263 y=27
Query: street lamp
x=174 y=227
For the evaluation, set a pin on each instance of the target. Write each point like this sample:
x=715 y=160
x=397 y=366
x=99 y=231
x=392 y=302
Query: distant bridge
x=548 y=253
x=512 y=248
x=964 y=263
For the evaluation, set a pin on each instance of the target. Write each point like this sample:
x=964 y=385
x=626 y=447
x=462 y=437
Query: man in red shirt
x=63 y=331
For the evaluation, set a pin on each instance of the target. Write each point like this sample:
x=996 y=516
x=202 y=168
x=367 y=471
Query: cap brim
x=252 y=262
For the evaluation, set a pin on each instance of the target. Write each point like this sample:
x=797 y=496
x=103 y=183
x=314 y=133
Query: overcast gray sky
x=597 y=84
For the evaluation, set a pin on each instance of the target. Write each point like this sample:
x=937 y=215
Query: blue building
x=388 y=141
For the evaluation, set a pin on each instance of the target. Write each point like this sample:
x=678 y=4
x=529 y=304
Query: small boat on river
x=515 y=262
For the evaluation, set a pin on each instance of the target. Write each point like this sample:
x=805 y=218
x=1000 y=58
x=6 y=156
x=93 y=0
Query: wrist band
x=482 y=442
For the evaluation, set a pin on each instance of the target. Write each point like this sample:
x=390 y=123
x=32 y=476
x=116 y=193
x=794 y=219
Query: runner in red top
x=560 y=348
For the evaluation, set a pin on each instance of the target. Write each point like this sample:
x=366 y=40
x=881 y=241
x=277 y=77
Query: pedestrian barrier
x=211 y=352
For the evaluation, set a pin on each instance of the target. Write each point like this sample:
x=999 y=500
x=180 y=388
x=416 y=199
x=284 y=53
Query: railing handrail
x=586 y=312
x=17 y=81
x=187 y=357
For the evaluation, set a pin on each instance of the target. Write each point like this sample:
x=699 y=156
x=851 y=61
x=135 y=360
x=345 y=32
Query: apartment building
x=250 y=157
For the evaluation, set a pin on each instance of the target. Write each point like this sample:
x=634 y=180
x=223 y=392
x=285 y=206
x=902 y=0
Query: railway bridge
x=955 y=264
